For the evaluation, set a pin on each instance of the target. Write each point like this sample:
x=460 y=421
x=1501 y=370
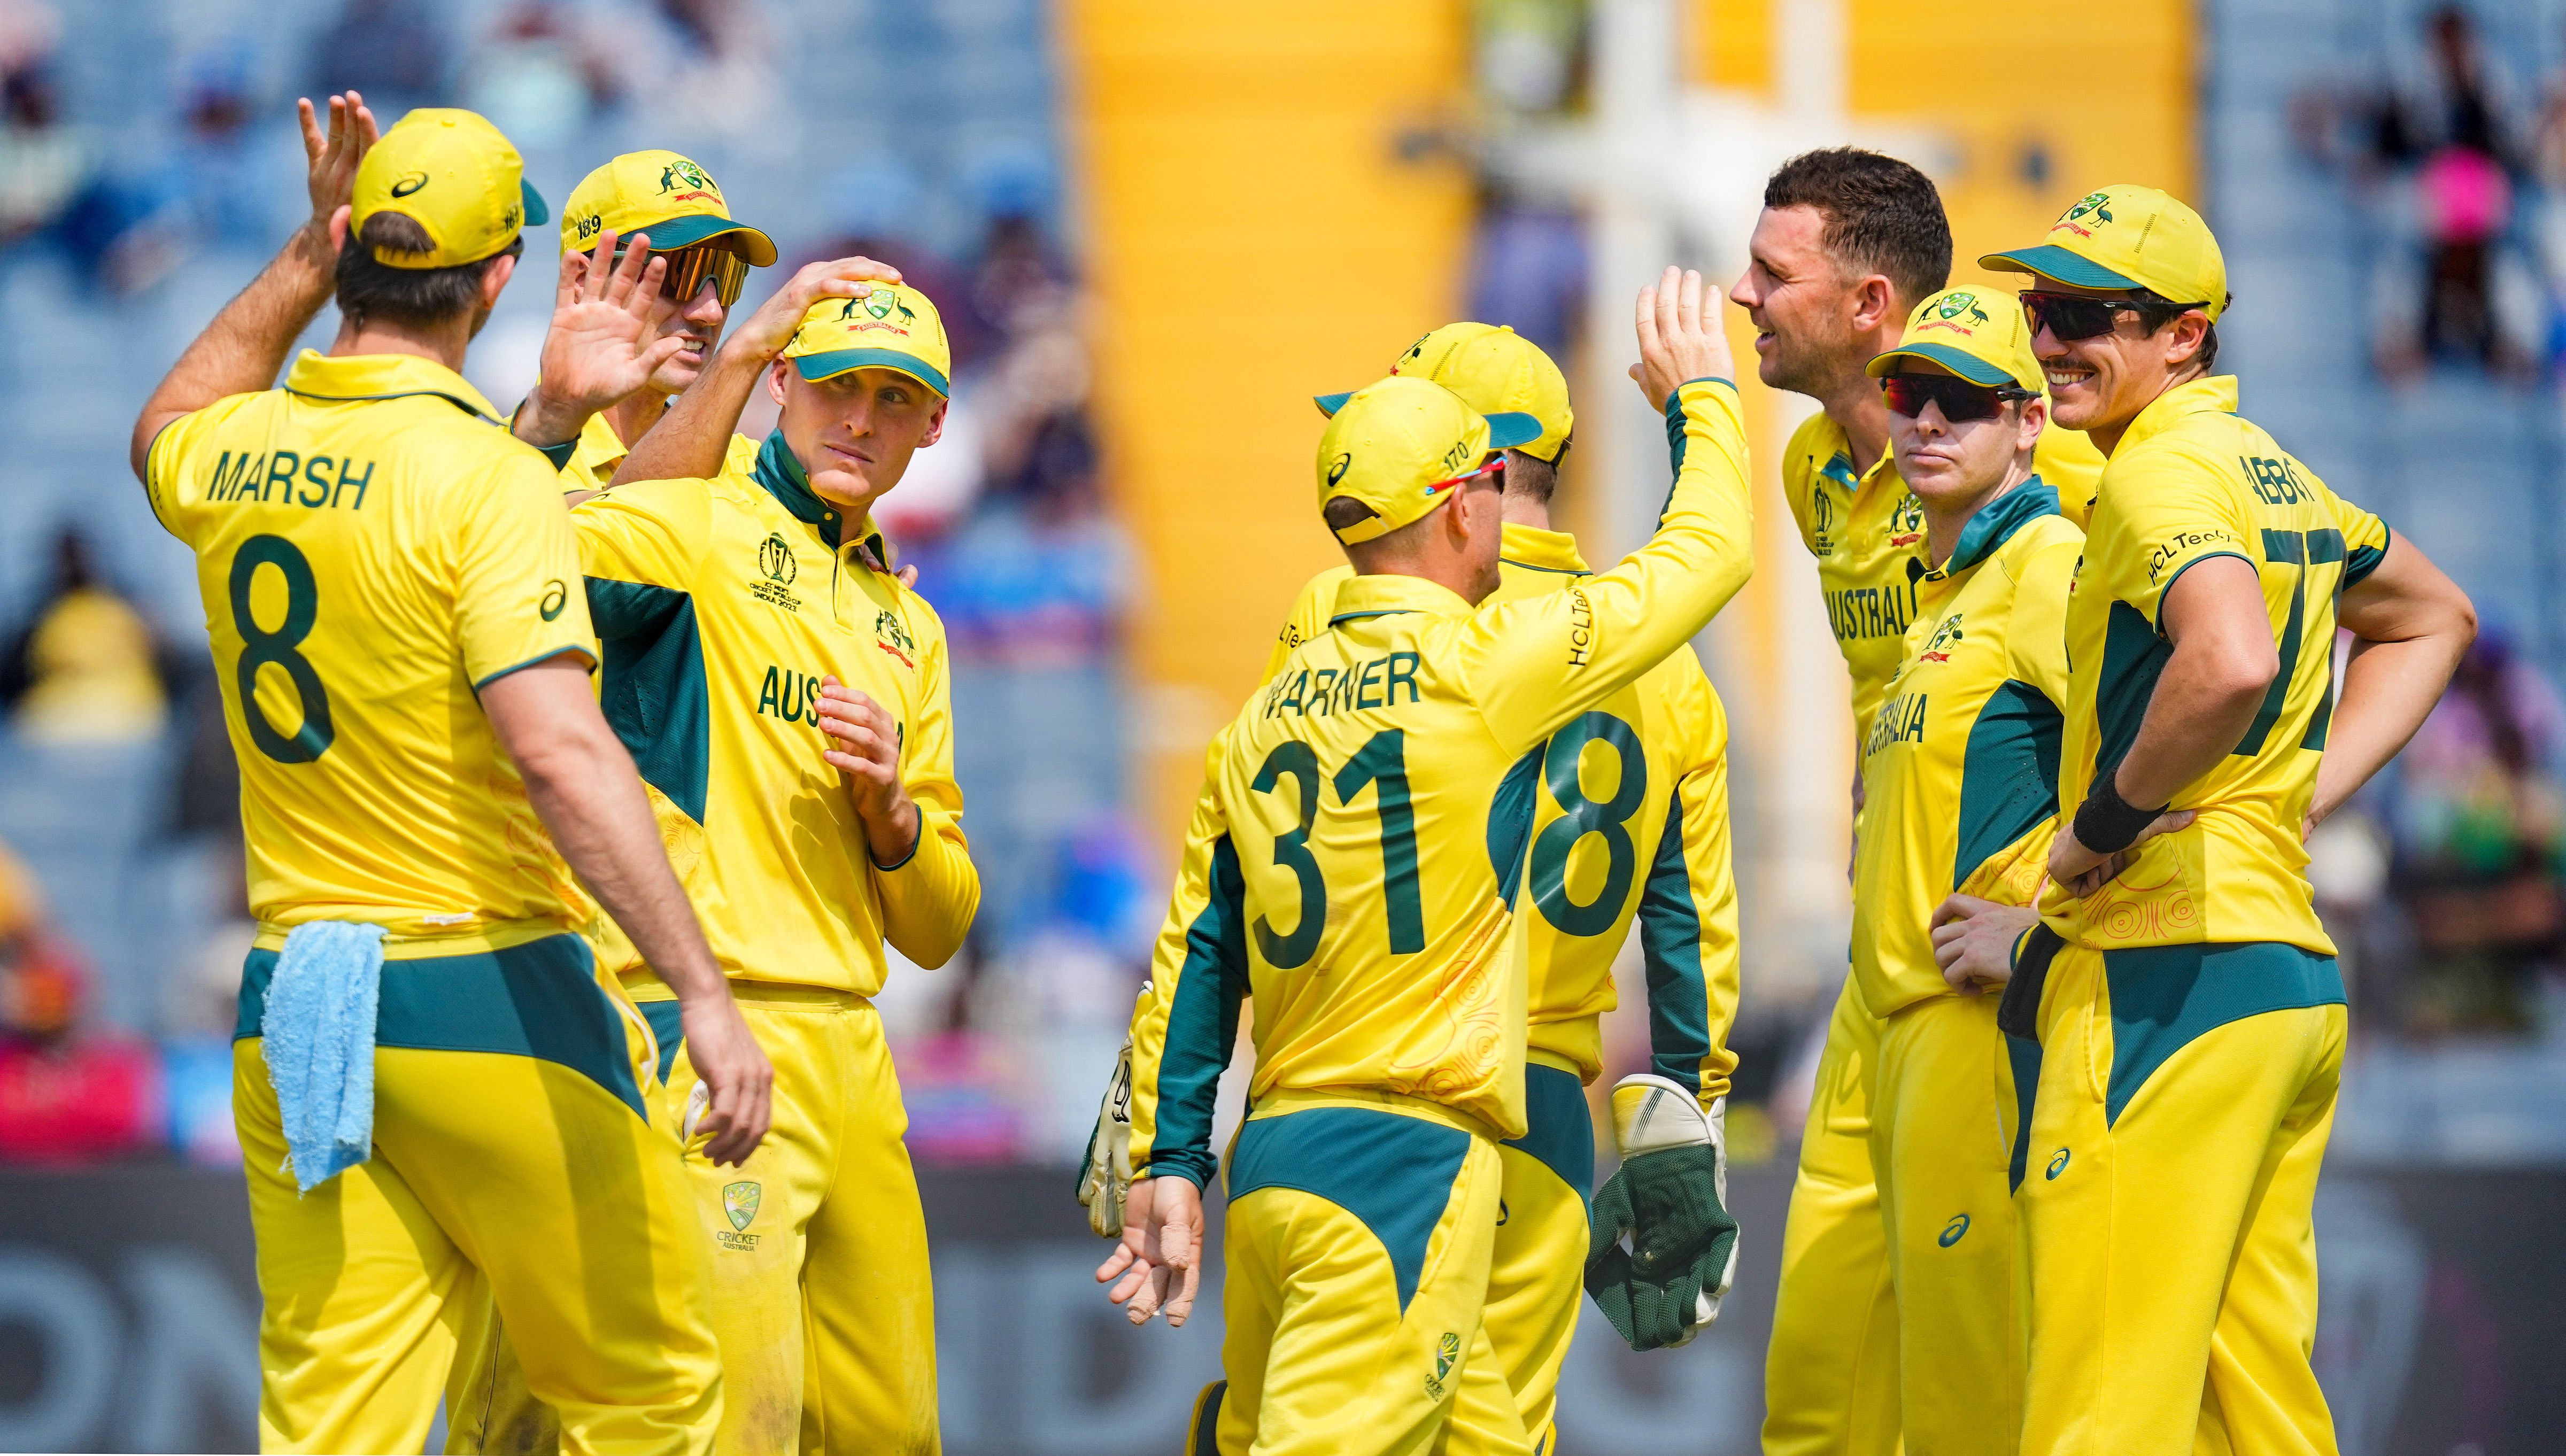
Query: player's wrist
x=893 y=829
x=2106 y=822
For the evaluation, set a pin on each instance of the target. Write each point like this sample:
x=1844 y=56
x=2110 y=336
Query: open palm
x=599 y=351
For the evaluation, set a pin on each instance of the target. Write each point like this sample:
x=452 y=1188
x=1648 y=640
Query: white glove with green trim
x=1105 y=1175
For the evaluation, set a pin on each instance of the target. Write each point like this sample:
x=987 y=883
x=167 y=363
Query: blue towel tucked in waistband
x=319 y=1045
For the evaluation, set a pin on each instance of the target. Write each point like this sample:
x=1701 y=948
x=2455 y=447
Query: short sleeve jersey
x=599 y=449
x=1961 y=764
x=1867 y=532
x=373 y=549
x=2192 y=480
x=720 y=606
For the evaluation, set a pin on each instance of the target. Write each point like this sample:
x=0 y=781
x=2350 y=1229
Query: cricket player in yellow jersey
x=436 y=1089
x=2187 y=999
x=788 y=696
x=1848 y=244
x=1959 y=770
x=1363 y=834
x=1662 y=862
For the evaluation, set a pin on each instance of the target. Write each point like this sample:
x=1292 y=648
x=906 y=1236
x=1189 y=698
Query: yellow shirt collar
x=1542 y=550
x=2215 y=395
x=600 y=446
x=384 y=377
x=1838 y=463
x=1382 y=596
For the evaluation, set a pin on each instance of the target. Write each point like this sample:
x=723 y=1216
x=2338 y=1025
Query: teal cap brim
x=537 y=214
x=1958 y=361
x=1329 y=404
x=1510 y=429
x=686 y=232
x=2052 y=261
x=817 y=367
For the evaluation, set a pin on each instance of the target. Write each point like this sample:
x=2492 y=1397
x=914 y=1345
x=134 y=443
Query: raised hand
x=599 y=351
x=1680 y=338
x=332 y=156
x=767 y=330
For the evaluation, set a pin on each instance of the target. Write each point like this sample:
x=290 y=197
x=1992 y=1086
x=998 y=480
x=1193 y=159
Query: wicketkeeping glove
x=1671 y=1199
x=1105 y=1175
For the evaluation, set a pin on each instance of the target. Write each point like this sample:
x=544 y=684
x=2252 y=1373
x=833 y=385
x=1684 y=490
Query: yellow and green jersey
x=374 y=548
x=1960 y=767
x=599 y=449
x=1658 y=751
x=720 y=606
x=1868 y=533
x=2191 y=480
x=1367 y=825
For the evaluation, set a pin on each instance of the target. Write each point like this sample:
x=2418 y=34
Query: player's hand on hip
x=333 y=152
x=1680 y=338
x=599 y=351
x=766 y=332
x=1973 y=941
x=868 y=753
x=735 y=1072
x=2082 y=871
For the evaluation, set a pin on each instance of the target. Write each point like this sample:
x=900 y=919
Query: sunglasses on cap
x=690 y=268
x=1494 y=465
x=2069 y=315
x=1908 y=395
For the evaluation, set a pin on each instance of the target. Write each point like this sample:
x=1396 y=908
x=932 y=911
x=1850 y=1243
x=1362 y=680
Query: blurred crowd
x=114 y=1036
x=2456 y=165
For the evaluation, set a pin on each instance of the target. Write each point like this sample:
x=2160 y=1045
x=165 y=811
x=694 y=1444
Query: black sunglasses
x=2069 y=315
x=689 y=268
x=1908 y=395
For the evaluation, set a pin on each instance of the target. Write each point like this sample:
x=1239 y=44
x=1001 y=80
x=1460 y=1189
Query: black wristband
x=2106 y=822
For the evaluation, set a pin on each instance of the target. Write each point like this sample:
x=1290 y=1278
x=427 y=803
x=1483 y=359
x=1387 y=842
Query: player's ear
x=496 y=278
x=935 y=423
x=2035 y=418
x=775 y=381
x=1875 y=302
x=339 y=228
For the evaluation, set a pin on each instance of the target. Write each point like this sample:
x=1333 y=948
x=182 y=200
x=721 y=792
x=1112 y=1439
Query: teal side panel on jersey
x=1671 y=946
x=1203 y=1023
x=1511 y=823
x=2133 y=656
x=1560 y=1132
x=1394 y=1173
x=668 y=1025
x=2164 y=997
x=538 y=1000
x=2008 y=774
x=653 y=691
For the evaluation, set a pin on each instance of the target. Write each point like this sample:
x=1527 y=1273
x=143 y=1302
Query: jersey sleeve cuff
x=546 y=656
x=559 y=454
x=2157 y=616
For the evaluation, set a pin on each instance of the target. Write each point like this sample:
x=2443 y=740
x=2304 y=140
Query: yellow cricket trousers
x=515 y=1157
x=1831 y=1377
x=1946 y=1121
x=821 y=1296
x=1537 y=1271
x=2185 y=1096
x=1358 y=1241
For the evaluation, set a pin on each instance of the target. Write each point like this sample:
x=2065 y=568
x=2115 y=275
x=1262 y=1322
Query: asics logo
x=2058 y=1165
x=410 y=185
x=1952 y=1231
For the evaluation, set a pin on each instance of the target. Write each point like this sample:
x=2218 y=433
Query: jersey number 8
x=261 y=647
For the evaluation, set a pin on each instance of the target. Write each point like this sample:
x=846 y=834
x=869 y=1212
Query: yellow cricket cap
x=891 y=328
x=452 y=173
x=664 y=194
x=1495 y=371
x=1975 y=333
x=1398 y=444
x=2128 y=236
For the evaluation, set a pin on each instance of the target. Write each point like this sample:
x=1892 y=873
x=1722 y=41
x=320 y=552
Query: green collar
x=1997 y=521
x=780 y=471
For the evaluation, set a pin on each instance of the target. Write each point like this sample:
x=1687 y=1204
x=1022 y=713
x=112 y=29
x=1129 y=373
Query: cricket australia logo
x=687 y=182
x=2096 y=205
x=891 y=635
x=1907 y=523
x=739 y=1205
x=1954 y=307
x=1448 y=1354
x=1945 y=636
